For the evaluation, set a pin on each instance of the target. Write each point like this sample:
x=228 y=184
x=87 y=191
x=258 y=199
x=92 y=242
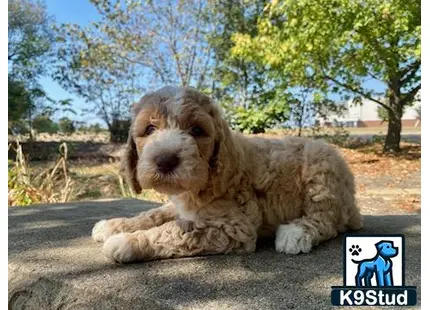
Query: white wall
x=368 y=111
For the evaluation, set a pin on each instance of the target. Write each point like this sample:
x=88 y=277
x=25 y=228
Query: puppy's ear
x=129 y=158
x=225 y=154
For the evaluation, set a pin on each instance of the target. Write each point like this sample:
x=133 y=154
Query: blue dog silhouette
x=381 y=266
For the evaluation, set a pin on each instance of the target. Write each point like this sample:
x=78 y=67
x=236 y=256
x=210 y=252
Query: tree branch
x=411 y=95
x=203 y=72
x=412 y=70
x=412 y=66
x=358 y=91
x=350 y=88
x=153 y=67
x=190 y=67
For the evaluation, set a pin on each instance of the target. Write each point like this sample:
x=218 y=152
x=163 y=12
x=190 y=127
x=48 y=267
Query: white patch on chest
x=181 y=211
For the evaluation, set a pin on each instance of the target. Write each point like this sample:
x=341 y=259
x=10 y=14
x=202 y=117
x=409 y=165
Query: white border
x=4 y=209
x=425 y=164
x=425 y=199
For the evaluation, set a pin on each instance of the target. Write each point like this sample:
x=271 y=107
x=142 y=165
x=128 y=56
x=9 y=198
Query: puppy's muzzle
x=166 y=163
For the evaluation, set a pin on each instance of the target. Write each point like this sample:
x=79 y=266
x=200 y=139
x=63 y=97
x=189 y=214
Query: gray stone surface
x=54 y=264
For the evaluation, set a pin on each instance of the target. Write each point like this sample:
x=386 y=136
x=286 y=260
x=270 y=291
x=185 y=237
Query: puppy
x=225 y=189
x=381 y=266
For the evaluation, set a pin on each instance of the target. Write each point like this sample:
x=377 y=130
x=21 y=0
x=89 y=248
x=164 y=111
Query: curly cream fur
x=228 y=189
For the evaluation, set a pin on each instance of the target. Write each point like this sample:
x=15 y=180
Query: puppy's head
x=173 y=144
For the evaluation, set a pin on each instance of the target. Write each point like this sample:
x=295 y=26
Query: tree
x=165 y=40
x=44 y=123
x=30 y=43
x=96 y=128
x=87 y=67
x=30 y=39
x=105 y=62
x=66 y=125
x=304 y=107
x=254 y=98
x=342 y=44
x=178 y=51
x=234 y=78
x=23 y=104
x=19 y=102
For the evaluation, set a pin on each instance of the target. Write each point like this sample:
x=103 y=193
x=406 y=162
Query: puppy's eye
x=197 y=131
x=149 y=130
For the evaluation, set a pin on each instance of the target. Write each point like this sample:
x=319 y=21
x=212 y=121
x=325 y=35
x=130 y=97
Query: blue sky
x=82 y=12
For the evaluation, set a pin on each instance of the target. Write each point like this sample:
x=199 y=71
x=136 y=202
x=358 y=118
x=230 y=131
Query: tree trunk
x=30 y=123
x=395 y=113
x=119 y=130
x=392 y=140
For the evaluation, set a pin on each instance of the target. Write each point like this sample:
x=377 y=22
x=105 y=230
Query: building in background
x=366 y=115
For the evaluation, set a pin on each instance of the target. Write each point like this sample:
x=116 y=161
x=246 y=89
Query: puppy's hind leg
x=328 y=202
x=299 y=236
x=316 y=225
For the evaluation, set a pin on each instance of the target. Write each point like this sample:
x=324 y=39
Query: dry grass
x=49 y=186
x=89 y=173
x=103 y=180
x=102 y=137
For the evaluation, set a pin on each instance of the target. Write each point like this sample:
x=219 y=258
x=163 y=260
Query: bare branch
x=203 y=71
x=194 y=48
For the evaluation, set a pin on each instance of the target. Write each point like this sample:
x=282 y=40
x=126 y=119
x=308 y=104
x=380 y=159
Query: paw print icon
x=355 y=250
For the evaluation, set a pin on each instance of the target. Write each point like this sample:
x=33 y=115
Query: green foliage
x=30 y=39
x=233 y=76
x=93 y=128
x=382 y=114
x=22 y=196
x=19 y=101
x=43 y=123
x=119 y=131
x=96 y=128
x=338 y=45
x=30 y=45
x=251 y=85
x=255 y=119
x=66 y=125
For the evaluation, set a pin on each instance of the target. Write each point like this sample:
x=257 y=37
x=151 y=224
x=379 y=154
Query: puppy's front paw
x=292 y=239
x=119 y=249
x=101 y=231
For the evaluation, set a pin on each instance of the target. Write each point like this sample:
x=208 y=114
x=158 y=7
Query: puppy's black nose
x=167 y=162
